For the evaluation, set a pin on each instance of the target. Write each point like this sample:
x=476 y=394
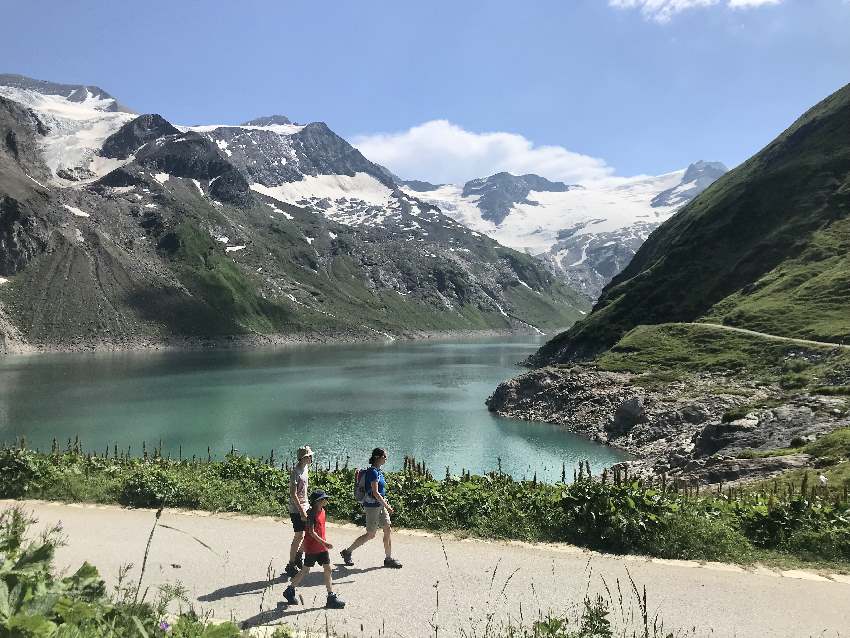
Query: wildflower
x=164 y=626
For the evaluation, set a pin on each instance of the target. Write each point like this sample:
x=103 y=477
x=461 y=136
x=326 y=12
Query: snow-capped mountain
x=126 y=229
x=587 y=233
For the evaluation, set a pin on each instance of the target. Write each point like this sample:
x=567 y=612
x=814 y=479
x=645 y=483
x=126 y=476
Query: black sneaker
x=392 y=563
x=346 y=557
x=289 y=595
x=299 y=562
x=334 y=602
x=290 y=570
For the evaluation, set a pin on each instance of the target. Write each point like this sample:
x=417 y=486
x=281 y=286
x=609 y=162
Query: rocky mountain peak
x=698 y=176
x=704 y=170
x=136 y=133
x=268 y=120
x=500 y=192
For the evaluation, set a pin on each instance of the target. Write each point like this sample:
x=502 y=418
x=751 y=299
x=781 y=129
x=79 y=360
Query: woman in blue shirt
x=377 y=510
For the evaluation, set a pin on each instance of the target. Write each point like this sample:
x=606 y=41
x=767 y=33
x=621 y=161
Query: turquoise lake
x=424 y=399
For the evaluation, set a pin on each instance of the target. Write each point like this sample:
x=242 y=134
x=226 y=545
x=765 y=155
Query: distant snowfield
x=280 y=129
x=604 y=206
x=76 y=129
x=76 y=211
x=332 y=187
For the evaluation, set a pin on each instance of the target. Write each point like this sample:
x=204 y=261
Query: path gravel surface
x=231 y=566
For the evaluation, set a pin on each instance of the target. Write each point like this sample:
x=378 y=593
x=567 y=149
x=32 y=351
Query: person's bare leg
x=296 y=580
x=388 y=541
x=295 y=546
x=360 y=540
x=328 y=581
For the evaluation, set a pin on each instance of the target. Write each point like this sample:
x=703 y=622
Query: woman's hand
x=328 y=545
x=390 y=508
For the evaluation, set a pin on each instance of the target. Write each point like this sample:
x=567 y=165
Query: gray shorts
x=376 y=518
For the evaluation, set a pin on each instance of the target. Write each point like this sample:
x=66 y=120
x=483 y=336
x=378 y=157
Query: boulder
x=628 y=414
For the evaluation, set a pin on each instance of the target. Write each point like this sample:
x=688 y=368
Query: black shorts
x=322 y=558
x=298 y=523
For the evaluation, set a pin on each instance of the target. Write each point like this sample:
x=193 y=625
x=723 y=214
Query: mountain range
x=585 y=233
x=119 y=229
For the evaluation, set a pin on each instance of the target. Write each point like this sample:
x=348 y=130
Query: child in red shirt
x=315 y=551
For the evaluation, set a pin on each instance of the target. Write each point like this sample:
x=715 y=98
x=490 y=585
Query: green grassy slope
x=765 y=247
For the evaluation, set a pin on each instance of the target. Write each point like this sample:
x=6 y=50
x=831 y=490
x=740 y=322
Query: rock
x=629 y=413
x=136 y=133
x=694 y=413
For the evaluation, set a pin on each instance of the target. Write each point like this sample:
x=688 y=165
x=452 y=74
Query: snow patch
x=161 y=177
x=232 y=249
x=361 y=186
x=222 y=144
x=280 y=129
x=280 y=212
x=3 y=280
x=76 y=211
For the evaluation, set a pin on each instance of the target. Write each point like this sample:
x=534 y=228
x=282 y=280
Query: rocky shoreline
x=13 y=346
x=707 y=428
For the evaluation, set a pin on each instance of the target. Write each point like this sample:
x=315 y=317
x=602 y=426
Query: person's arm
x=293 y=495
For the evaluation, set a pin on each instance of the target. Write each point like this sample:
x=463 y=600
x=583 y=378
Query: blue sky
x=572 y=89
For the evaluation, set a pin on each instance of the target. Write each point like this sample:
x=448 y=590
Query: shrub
x=792 y=380
x=148 y=486
x=829 y=544
x=702 y=536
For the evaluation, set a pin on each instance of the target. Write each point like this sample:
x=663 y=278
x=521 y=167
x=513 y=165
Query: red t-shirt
x=316 y=522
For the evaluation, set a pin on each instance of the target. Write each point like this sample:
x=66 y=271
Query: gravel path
x=474 y=580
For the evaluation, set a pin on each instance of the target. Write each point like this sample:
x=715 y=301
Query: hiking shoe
x=289 y=595
x=334 y=602
x=392 y=562
x=290 y=570
x=346 y=557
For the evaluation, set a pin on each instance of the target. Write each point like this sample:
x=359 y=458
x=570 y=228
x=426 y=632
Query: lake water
x=424 y=399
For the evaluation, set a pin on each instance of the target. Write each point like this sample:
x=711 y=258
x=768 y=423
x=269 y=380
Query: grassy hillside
x=677 y=350
x=765 y=247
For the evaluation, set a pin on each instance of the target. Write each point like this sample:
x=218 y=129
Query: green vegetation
x=827 y=450
x=765 y=247
x=615 y=514
x=678 y=350
x=35 y=602
x=672 y=351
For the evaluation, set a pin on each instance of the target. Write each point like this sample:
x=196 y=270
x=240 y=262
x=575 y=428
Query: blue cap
x=318 y=495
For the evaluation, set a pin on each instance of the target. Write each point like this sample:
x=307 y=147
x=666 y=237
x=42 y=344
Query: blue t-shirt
x=374 y=474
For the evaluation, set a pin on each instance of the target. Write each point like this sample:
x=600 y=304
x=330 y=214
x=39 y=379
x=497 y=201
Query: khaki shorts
x=376 y=518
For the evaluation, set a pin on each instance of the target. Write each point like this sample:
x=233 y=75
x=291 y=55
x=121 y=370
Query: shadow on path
x=241 y=589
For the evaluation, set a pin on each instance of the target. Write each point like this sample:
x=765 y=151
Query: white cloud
x=441 y=152
x=663 y=10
